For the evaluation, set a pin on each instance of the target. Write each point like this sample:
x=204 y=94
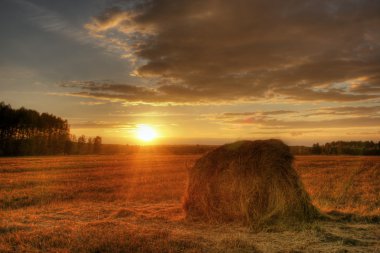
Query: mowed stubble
x=132 y=203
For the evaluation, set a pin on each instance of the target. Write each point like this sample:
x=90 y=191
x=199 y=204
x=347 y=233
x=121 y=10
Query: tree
x=347 y=148
x=89 y=146
x=27 y=132
x=316 y=149
x=97 y=144
x=81 y=144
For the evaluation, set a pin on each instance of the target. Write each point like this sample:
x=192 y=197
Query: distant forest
x=339 y=148
x=347 y=148
x=27 y=132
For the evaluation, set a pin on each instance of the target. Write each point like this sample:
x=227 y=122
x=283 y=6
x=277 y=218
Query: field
x=132 y=203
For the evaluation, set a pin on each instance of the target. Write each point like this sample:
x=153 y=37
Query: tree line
x=347 y=148
x=28 y=132
x=83 y=145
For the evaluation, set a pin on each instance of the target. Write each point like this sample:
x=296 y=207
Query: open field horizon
x=133 y=203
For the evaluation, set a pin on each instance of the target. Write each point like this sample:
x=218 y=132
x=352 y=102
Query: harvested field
x=133 y=204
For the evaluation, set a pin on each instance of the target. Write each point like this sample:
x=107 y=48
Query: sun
x=145 y=133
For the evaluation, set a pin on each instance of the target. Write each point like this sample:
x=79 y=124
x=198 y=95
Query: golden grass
x=342 y=183
x=133 y=204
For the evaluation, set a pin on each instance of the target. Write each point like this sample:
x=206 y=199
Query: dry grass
x=133 y=204
x=342 y=183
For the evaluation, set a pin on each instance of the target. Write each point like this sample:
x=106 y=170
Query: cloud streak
x=314 y=124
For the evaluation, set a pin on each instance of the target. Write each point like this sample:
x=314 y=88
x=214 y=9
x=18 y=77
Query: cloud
x=302 y=50
x=336 y=111
x=51 y=21
x=257 y=114
x=267 y=123
x=109 y=19
x=122 y=92
x=101 y=125
x=305 y=94
x=347 y=111
x=106 y=90
x=277 y=112
x=92 y=103
x=341 y=117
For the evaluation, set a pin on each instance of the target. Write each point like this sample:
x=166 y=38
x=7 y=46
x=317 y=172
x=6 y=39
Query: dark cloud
x=231 y=50
x=367 y=88
x=111 y=88
x=107 y=90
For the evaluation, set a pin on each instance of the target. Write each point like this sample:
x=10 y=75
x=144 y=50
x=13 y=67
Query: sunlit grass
x=133 y=204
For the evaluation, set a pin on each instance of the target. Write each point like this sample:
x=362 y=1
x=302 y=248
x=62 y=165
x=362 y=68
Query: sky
x=198 y=72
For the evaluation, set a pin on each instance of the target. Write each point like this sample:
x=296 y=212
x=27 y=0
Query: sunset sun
x=146 y=133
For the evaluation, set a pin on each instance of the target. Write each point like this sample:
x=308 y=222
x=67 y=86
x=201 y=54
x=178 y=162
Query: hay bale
x=249 y=181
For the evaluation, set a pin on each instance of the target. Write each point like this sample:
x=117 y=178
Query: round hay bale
x=249 y=181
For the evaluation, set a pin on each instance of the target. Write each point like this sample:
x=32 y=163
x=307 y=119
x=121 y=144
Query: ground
x=132 y=203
